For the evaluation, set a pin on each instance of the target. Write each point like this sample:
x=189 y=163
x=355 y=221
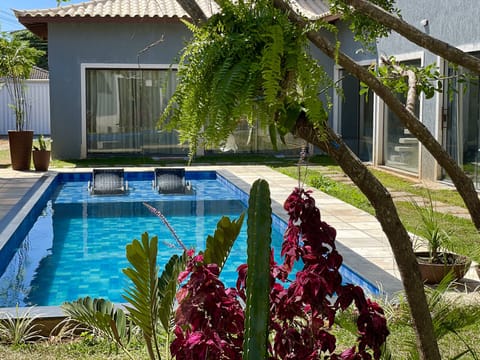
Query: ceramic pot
x=20 y=143
x=41 y=159
x=434 y=273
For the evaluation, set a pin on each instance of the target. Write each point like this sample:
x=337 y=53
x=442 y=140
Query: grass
x=81 y=348
x=464 y=237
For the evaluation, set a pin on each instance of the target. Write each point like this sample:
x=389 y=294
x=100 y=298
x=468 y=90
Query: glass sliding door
x=461 y=126
x=123 y=108
x=401 y=149
x=356 y=117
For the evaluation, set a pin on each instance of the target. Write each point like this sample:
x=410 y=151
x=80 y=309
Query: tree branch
x=461 y=181
x=412 y=83
x=439 y=47
x=194 y=10
x=387 y=215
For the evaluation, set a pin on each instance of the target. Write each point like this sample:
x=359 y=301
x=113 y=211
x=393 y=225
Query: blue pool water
x=76 y=247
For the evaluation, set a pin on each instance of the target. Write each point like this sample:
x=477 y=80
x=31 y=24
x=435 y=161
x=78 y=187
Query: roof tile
x=152 y=8
x=118 y=8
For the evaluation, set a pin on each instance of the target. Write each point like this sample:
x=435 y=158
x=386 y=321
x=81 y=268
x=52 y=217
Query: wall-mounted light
x=424 y=22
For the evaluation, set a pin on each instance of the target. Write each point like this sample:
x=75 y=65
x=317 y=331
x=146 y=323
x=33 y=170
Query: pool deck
x=360 y=239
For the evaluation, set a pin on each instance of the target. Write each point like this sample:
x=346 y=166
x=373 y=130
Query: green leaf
x=101 y=315
x=219 y=246
x=272 y=131
x=167 y=288
x=142 y=295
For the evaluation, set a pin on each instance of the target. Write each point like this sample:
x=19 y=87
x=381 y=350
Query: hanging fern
x=247 y=62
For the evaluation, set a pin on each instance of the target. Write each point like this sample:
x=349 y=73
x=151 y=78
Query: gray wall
x=71 y=44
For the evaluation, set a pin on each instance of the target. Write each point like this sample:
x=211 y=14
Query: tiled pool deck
x=360 y=239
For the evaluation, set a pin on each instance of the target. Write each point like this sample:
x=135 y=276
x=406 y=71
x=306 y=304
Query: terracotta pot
x=41 y=159
x=434 y=273
x=20 y=149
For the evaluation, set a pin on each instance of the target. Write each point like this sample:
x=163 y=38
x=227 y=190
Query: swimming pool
x=77 y=245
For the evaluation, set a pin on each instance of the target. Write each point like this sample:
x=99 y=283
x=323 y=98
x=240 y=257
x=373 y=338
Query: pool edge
x=369 y=271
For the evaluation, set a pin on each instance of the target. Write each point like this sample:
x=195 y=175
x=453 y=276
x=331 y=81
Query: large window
x=355 y=114
x=123 y=108
x=462 y=123
x=401 y=149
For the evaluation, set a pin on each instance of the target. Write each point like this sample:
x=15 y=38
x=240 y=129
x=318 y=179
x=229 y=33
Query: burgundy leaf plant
x=210 y=317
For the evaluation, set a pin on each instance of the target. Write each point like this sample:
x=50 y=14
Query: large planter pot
x=433 y=273
x=20 y=149
x=41 y=159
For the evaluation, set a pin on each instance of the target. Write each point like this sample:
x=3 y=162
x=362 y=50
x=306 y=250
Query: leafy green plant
x=43 y=144
x=102 y=317
x=19 y=328
x=16 y=61
x=451 y=314
x=143 y=294
x=430 y=228
x=223 y=56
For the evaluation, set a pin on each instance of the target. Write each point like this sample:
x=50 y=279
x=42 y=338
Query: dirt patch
x=3 y=143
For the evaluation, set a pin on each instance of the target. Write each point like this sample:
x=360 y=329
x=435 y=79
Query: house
x=112 y=72
x=376 y=134
x=111 y=76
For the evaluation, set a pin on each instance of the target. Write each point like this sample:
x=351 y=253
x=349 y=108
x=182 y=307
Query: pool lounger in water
x=107 y=181
x=171 y=181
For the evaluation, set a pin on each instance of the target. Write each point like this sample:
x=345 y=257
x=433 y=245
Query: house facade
x=375 y=133
x=112 y=70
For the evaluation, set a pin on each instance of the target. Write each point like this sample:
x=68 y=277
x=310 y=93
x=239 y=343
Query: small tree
x=16 y=61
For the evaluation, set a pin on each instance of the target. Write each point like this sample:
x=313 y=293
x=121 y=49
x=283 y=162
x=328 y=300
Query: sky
x=8 y=21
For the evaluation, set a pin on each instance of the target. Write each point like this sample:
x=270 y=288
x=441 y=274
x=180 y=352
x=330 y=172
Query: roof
x=312 y=9
x=36 y=20
x=38 y=73
x=136 y=10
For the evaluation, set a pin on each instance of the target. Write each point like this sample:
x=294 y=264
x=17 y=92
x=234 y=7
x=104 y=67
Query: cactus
x=258 y=278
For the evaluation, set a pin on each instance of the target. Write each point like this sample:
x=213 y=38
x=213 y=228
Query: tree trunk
x=387 y=215
x=439 y=47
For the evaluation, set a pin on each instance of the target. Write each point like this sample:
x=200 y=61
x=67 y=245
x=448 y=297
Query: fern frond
x=247 y=60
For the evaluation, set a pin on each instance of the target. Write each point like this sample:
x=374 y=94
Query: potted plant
x=16 y=61
x=41 y=155
x=435 y=261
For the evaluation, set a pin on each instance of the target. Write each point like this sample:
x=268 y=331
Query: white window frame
x=83 y=71
x=418 y=55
